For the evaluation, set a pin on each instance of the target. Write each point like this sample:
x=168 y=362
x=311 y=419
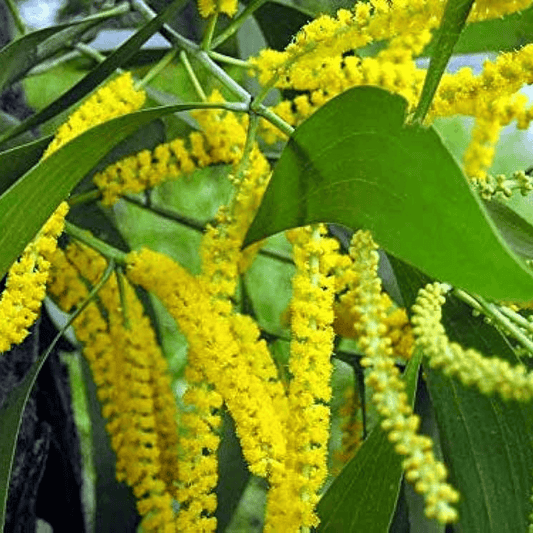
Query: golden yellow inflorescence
x=132 y=379
x=421 y=468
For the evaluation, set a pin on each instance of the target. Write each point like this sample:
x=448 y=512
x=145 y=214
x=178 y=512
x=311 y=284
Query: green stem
x=167 y=214
x=85 y=197
x=247 y=150
x=49 y=65
x=122 y=296
x=209 y=32
x=17 y=19
x=237 y=22
x=157 y=68
x=495 y=314
x=269 y=115
x=221 y=58
x=91 y=52
x=192 y=76
x=101 y=247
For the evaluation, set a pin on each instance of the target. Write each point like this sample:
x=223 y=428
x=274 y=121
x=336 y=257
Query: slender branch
x=122 y=295
x=85 y=197
x=156 y=69
x=167 y=214
x=17 y=19
x=495 y=314
x=221 y=58
x=237 y=22
x=49 y=65
x=86 y=237
x=192 y=76
x=209 y=32
x=273 y=119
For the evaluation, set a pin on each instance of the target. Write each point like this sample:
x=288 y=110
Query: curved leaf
x=355 y=163
x=363 y=496
x=486 y=442
x=97 y=75
x=27 y=204
x=453 y=20
x=29 y=50
x=517 y=232
x=502 y=34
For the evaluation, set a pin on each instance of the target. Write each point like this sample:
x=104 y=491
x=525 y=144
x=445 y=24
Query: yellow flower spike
x=133 y=384
x=489 y=375
x=309 y=388
x=198 y=473
x=215 y=349
x=389 y=395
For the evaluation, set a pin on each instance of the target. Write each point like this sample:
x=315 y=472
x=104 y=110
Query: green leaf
x=97 y=75
x=27 y=204
x=18 y=160
x=10 y=419
x=21 y=55
x=486 y=442
x=363 y=496
x=502 y=34
x=279 y=23
x=453 y=20
x=517 y=232
x=355 y=163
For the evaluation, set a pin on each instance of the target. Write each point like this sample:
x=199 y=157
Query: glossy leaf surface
x=354 y=162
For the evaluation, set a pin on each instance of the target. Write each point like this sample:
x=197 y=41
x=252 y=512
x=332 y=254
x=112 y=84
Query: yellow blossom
x=214 y=349
x=210 y=7
x=309 y=388
x=132 y=383
x=421 y=468
x=489 y=375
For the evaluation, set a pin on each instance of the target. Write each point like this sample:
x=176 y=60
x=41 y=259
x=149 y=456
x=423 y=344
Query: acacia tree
x=294 y=358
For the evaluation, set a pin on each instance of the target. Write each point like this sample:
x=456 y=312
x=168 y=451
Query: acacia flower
x=210 y=7
x=198 y=472
x=214 y=349
x=25 y=289
x=421 y=468
x=132 y=384
x=309 y=389
x=489 y=375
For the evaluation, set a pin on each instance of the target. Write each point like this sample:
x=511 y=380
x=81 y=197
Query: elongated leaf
x=486 y=442
x=363 y=496
x=26 y=205
x=517 y=232
x=502 y=34
x=355 y=163
x=453 y=20
x=97 y=75
x=279 y=23
x=24 y=53
x=18 y=160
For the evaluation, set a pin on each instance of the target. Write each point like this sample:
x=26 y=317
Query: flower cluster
x=198 y=472
x=220 y=140
x=214 y=348
x=489 y=375
x=421 y=468
x=132 y=380
x=21 y=300
x=210 y=7
x=309 y=390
